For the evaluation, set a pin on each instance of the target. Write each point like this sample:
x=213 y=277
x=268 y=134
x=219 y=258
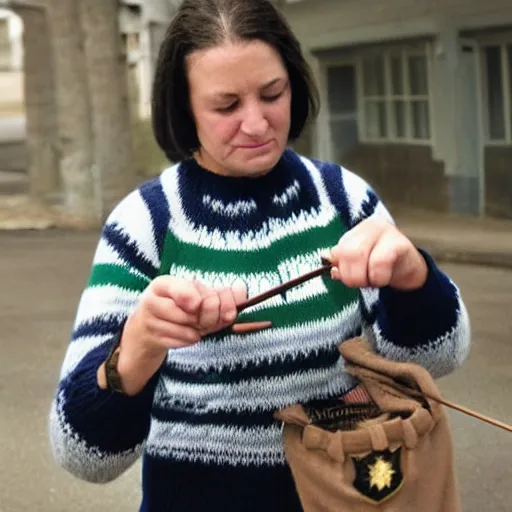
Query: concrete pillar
x=16 y=37
x=457 y=124
x=145 y=72
x=40 y=103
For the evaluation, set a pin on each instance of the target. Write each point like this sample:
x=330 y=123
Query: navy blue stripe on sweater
x=198 y=185
x=332 y=176
x=156 y=202
x=368 y=207
x=99 y=326
x=90 y=409
x=127 y=249
x=278 y=368
x=241 y=419
x=419 y=317
x=171 y=486
x=333 y=182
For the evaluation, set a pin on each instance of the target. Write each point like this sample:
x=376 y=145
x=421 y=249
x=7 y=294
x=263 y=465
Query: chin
x=258 y=166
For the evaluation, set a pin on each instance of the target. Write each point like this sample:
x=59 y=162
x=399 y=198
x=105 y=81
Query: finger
x=383 y=260
x=167 y=310
x=351 y=257
x=185 y=295
x=162 y=332
x=209 y=312
x=227 y=310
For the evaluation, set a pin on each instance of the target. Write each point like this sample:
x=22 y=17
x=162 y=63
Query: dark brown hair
x=202 y=24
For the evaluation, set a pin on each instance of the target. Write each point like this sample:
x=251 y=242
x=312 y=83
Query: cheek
x=219 y=129
x=280 y=119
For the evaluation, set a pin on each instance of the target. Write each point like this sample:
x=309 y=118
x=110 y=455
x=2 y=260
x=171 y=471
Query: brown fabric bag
x=399 y=461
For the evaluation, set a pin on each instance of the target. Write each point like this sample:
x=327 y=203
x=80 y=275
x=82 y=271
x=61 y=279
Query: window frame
x=389 y=98
x=505 y=46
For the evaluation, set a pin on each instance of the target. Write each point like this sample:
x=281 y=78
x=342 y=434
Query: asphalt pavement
x=42 y=274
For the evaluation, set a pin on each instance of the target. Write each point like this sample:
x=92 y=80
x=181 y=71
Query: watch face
x=113 y=378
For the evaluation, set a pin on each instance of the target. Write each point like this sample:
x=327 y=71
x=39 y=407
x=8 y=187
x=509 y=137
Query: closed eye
x=229 y=108
x=234 y=105
x=275 y=97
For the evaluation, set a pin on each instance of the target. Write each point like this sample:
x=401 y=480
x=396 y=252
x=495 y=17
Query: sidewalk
x=447 y=238
x=459 y=239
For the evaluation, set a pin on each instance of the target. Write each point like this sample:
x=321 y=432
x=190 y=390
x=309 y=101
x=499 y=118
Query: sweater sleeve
x=429 y=326
x=97 y=434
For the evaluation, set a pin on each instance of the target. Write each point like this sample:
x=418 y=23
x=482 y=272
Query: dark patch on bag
x=378 y=475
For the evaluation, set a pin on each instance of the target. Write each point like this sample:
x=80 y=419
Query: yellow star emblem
x=381 y=474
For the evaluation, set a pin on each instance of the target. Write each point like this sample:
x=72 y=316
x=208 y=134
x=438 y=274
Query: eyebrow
x=230 y=95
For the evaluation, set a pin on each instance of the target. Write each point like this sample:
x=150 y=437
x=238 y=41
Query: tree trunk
x=107 y=69
x=75 y=124
x=40 y=104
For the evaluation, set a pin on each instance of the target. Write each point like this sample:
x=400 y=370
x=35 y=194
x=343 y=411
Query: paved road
x=41 y=276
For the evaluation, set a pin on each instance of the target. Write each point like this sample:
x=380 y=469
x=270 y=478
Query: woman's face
x=240 y=97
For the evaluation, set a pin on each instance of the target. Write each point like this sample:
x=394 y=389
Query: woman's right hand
x=172 y=313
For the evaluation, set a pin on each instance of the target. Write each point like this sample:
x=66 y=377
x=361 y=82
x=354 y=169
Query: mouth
x=255 y=146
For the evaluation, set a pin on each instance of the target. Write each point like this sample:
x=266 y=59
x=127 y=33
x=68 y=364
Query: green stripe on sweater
x=238 y=261
x=309 y=310
x=116 y=275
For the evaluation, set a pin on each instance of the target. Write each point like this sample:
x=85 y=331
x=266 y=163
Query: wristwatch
x=112 y=377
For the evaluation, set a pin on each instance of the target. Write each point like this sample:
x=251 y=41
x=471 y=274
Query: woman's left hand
x=376 y=254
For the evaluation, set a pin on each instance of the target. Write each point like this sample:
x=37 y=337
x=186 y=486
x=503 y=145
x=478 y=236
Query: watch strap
x=112 y=377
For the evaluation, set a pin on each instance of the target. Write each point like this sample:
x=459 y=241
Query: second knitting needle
x=292 y=283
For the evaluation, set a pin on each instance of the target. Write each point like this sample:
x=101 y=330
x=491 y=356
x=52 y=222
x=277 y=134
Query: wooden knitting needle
x=460 y=408
x=325 y=269
x=411 y=391
x=292 y=283
x=469 y=412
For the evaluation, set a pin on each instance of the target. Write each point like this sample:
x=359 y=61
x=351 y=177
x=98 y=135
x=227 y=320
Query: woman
x=153 y=366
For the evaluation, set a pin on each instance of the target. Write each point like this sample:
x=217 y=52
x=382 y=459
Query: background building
x=416 y=95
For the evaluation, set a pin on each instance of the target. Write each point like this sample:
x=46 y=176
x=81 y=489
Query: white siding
x=325 y=23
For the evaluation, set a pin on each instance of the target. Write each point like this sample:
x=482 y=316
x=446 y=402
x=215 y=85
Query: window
x=497 y=68
x=342 y=101
x=395 y=97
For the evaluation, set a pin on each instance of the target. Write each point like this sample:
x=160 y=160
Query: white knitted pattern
x=80 y=459
x=210 y=444
x=229 y=209
x=439 y=356
x=133 y=216
x=268 y=345
x=275 y=229
x=291 y=192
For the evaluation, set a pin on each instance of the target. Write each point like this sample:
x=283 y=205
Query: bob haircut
x=203 y=24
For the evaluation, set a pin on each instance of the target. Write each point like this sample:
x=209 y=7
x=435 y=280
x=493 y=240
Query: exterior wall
x=498 y=181
x=442 y=176
x=322 y=24
x=402 y=174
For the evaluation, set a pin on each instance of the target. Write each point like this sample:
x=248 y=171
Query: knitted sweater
x=204 y=423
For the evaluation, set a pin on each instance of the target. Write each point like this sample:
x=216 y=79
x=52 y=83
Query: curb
x=467 y=257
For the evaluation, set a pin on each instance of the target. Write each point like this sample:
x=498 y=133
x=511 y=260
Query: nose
x=254 y=122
